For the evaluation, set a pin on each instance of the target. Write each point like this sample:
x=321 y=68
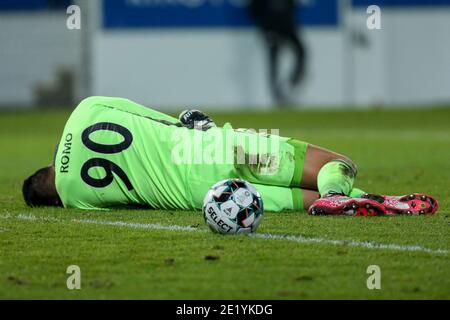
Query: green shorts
x=275 y=172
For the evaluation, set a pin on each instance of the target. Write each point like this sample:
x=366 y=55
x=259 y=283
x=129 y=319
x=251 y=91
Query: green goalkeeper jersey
x=115 y=152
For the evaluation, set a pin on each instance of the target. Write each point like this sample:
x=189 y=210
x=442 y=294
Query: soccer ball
x=233 y=206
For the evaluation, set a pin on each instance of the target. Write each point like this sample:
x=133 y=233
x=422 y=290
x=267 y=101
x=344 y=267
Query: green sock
x=356 y=193
x=336 y=176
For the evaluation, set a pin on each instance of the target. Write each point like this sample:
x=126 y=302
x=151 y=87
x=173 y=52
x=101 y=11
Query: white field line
x=133 y=225
x=351 y=243
x=267 y=236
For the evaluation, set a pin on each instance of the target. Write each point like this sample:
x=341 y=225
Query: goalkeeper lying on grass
x=114 y=152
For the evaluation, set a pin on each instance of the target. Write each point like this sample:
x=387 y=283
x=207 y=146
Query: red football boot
x=343 y=205
x=410 y=204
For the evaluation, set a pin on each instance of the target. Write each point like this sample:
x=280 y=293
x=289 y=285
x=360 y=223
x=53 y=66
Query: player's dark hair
x=35 y=189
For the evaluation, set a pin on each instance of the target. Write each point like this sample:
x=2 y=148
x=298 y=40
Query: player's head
x=39 y=189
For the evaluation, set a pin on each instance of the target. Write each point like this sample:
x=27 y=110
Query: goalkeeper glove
x=195 y=119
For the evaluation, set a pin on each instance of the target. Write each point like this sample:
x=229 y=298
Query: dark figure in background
x=277 y=21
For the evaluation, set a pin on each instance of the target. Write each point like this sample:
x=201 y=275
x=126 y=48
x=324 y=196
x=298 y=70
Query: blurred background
x=222 y=54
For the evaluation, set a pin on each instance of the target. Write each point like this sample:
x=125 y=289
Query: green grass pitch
x=397 y=152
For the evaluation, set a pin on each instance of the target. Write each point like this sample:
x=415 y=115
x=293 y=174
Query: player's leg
x=333 y=175
x=327 y=171
x=308 y=167
x=277 y=198
x=295 y=164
